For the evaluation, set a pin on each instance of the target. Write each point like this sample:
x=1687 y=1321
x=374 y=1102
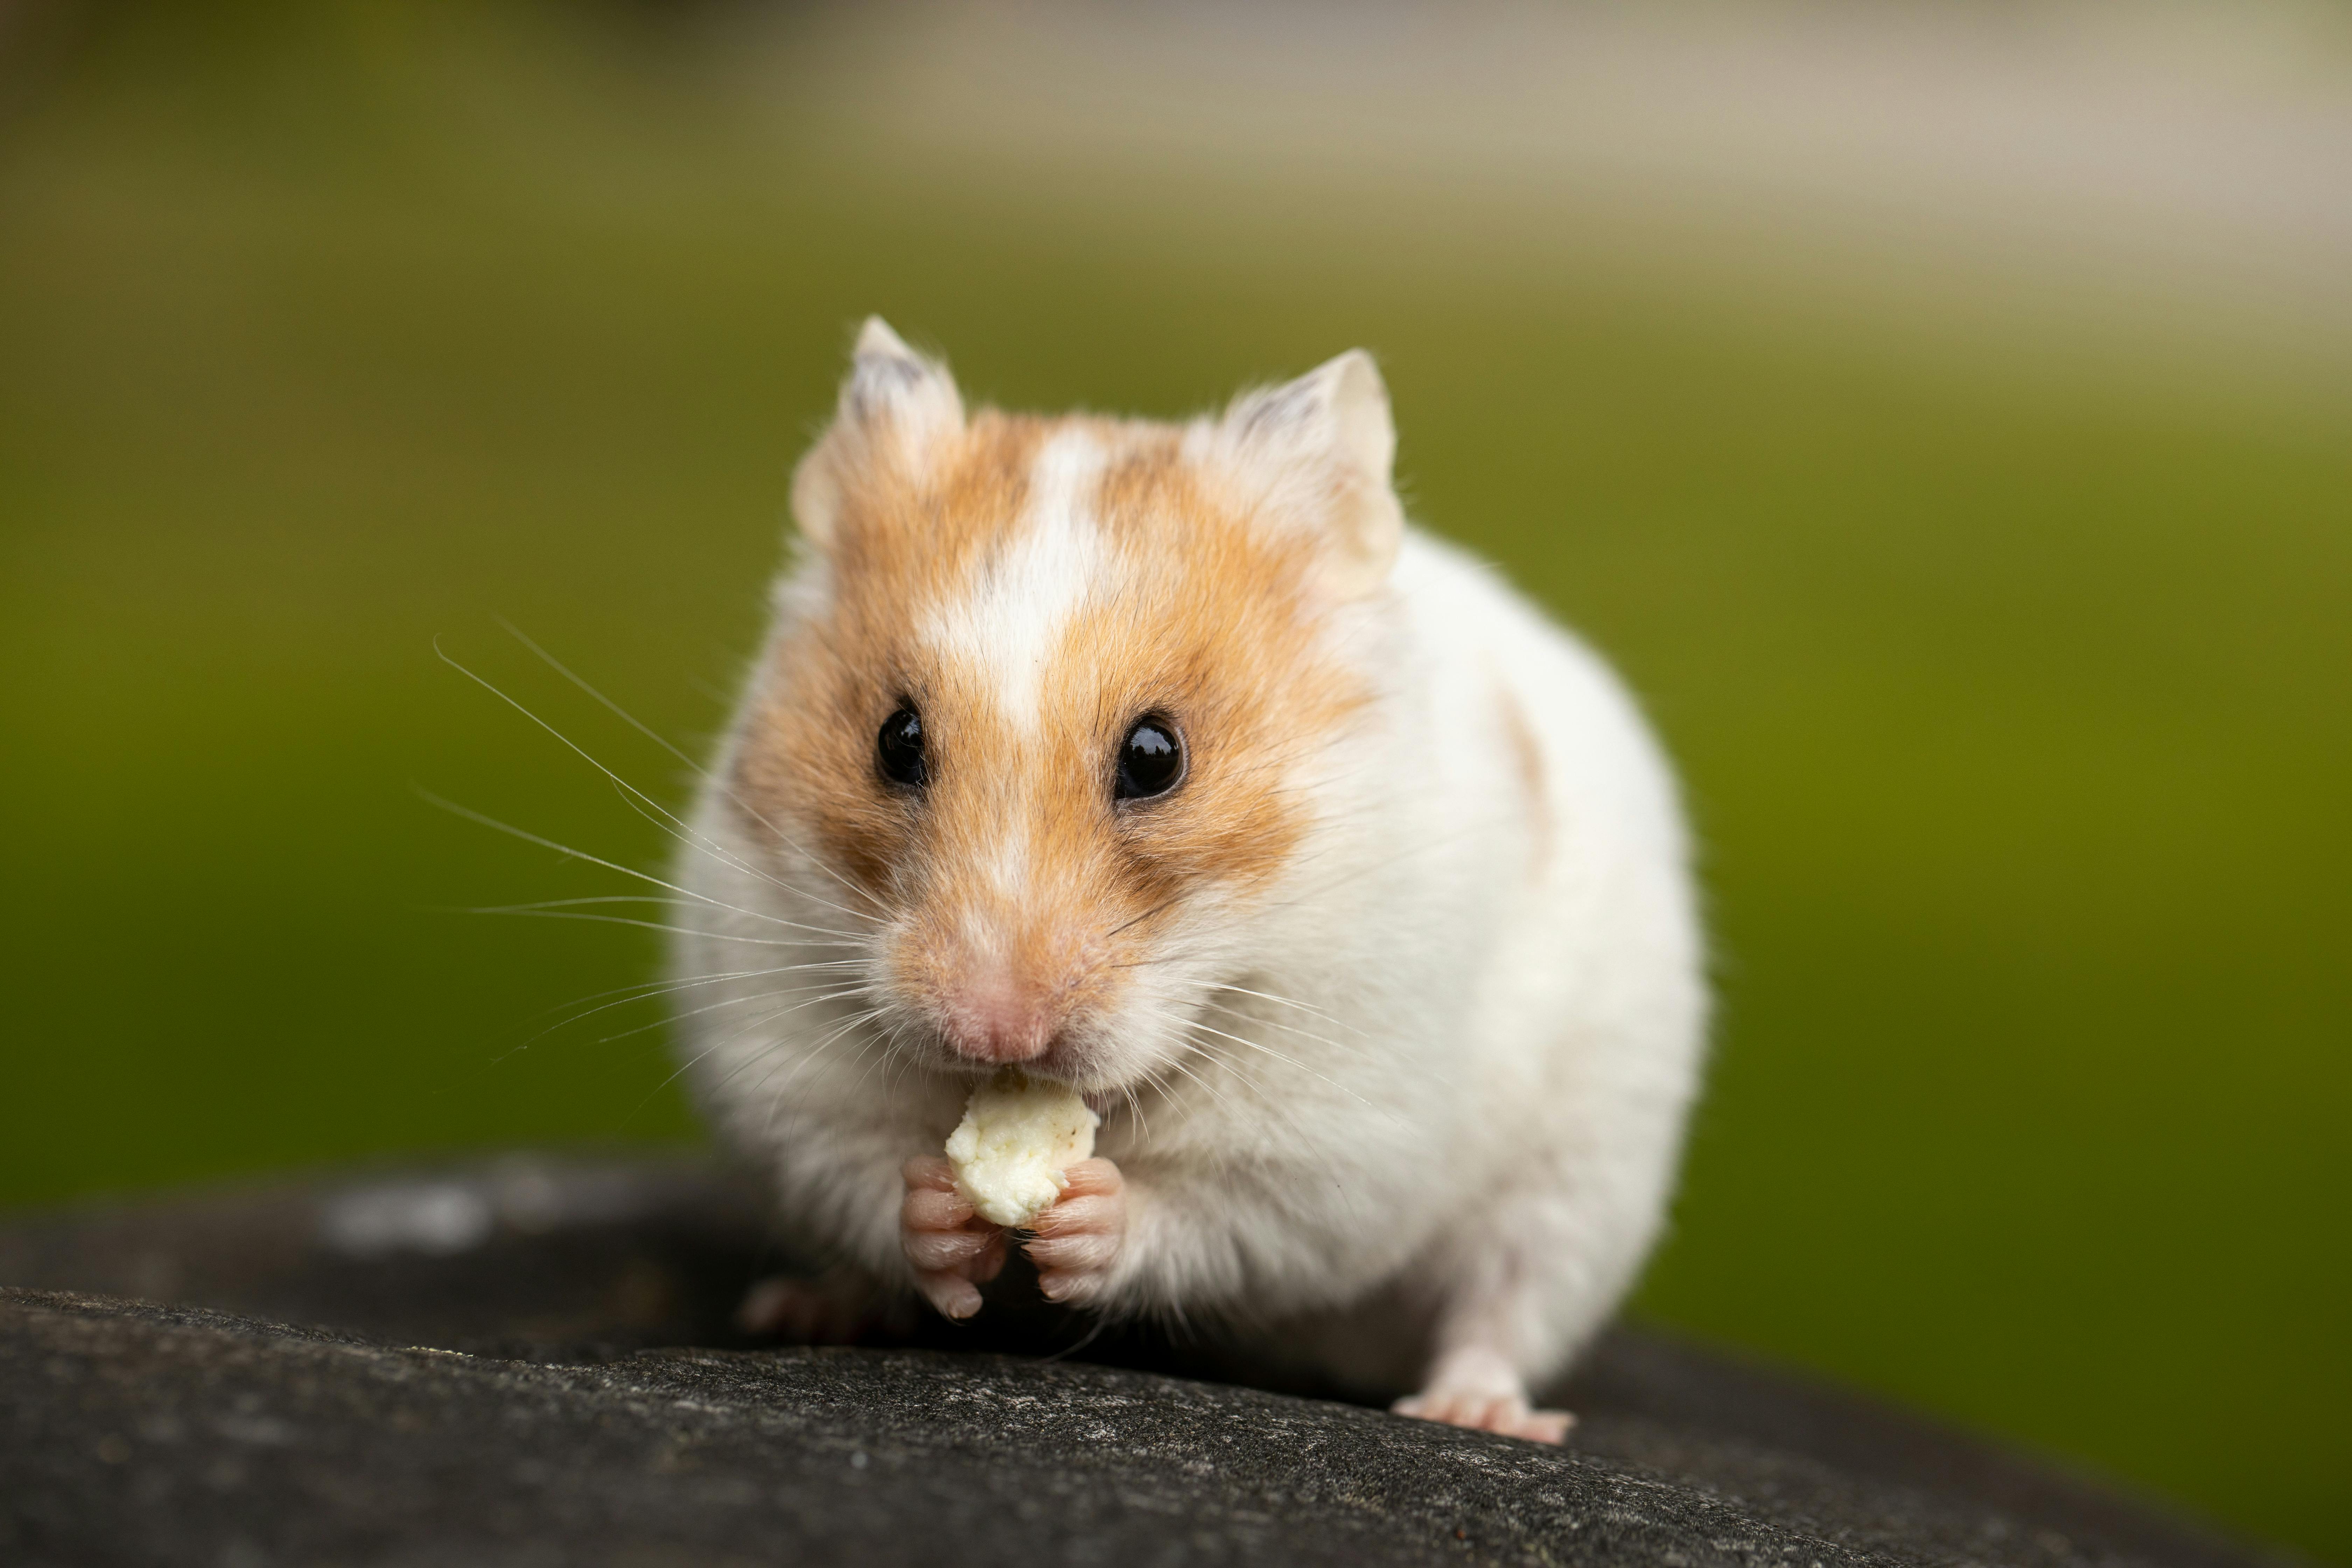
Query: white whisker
x=521 y=913
x=529 y=838
x=833 y=996
x=756 y=1024
x=775 y=1101
x=1340 y=1045
x=1286 y=1002
x=701 y=771
x=1302 y=1067
x=647 y=990
x=653 y=809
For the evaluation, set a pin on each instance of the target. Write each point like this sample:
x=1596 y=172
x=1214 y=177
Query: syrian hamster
x=1169 y=761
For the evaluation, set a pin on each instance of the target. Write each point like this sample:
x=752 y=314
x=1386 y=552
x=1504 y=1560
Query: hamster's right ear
x=897 y=409
x=1320 y=451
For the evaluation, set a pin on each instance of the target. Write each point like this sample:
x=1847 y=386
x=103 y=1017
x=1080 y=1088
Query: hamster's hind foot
x=1477 y=1388
x=838 y=1308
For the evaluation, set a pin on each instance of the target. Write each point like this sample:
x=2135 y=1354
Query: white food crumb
x=1017 y=1136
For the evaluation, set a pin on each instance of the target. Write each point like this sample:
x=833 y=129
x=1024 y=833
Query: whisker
x=707 y=1052
x=1286 y=1002
x=1302 y=1067
x=746 y=999
x=761 y=1021
x=520 y=912
x=647 y=990
x=512 y=831
x=1340 y=1045
x=701 y=771
x=1206 y=1087
x=675 y=828
x=1285 y=1115
x=879 y=1061
x=726 y=856
x=1141 y=918
x=775 y=1101
x=764 y=1053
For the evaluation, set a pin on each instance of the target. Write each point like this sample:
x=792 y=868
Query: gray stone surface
x=532 y=1363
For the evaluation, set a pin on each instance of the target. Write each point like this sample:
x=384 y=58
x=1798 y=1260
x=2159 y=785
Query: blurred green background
x=2007 y=648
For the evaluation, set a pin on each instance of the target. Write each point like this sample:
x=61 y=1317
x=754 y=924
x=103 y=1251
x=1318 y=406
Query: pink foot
x=1479 y=1389
x=1077 y=1242
x=953 y=1250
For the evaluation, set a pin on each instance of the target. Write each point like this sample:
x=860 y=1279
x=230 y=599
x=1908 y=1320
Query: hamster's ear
x=1320 y=449
x=897 y=408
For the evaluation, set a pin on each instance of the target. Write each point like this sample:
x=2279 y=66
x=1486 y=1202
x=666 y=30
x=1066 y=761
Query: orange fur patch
x=1528 y=755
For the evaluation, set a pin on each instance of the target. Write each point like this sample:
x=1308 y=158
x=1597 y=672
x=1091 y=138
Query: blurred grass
x=2009 y=679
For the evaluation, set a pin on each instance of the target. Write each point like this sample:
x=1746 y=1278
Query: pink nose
x=995 y=1023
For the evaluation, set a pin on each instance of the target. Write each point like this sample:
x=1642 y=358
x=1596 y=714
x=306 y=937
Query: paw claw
x=1547 y=1426
x=1076 y=1243
x=953 y=1295
x=951 y=1249
x=1485 y=1410
x=952 y=1252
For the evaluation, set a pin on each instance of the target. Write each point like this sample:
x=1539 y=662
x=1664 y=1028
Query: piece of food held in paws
x=1166 y=764
x=1018 y=1136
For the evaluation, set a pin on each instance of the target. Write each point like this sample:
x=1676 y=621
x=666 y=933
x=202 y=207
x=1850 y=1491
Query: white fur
x=1020 y=602
x=1456 y=1134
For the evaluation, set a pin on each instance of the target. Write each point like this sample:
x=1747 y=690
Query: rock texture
x=533 y=1364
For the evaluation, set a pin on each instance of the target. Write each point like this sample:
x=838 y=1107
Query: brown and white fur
x=1393 y=1005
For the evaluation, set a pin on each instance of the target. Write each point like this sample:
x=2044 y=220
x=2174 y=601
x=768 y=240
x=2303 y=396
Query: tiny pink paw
x=1477 y=1386
x=952 y=1250
x=1076 y=1244
x=1485 y=1411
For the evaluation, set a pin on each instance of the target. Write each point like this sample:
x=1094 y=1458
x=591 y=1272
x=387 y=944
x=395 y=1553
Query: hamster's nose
x=993 y=1020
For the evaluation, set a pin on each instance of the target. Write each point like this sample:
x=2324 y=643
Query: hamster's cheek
x=1131 y=1041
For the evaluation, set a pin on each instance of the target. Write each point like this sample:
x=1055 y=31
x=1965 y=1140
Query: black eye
x=899 y=747
x=1150 y=760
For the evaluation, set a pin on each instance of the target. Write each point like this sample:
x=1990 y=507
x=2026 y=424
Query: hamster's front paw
x=1076 y=1243
x=1477 y=1388
x=953 y=1250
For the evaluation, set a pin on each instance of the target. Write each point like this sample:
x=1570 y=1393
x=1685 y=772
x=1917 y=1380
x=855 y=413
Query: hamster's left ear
x=898 y=410
x=1321 y=449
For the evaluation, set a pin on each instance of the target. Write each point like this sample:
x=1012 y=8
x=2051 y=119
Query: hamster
x=1169 y=762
